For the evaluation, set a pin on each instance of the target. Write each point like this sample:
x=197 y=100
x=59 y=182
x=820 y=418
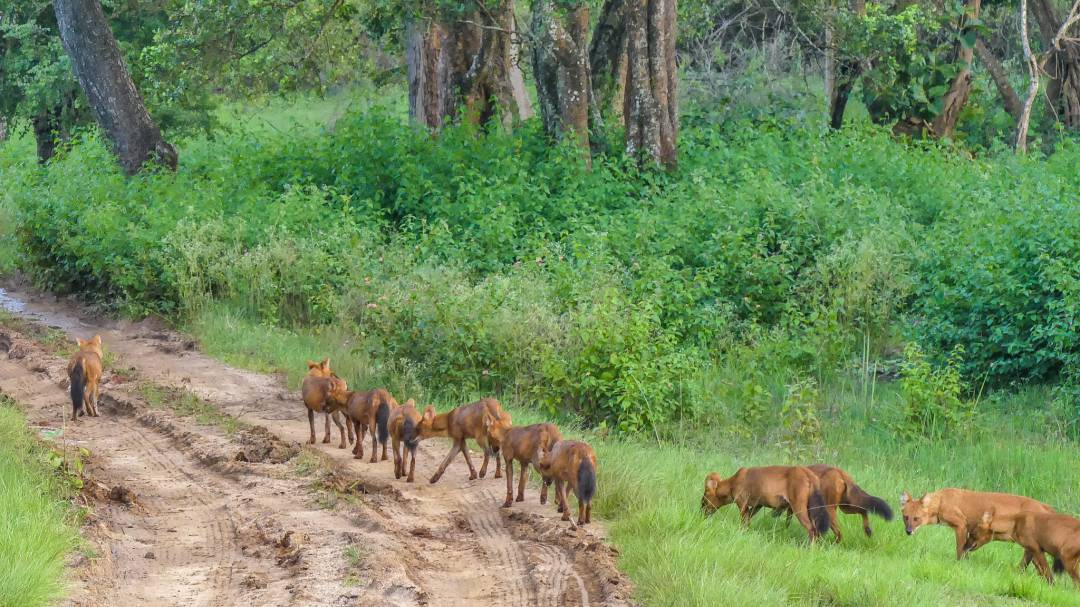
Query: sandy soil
x=181 y=518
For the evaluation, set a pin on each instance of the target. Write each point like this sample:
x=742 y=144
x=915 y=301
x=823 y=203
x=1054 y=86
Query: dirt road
x=193 y=523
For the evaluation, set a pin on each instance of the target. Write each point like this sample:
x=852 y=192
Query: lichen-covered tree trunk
x=100 y=70
x=650 y=107
x=561 y=68
x=465 y=60
x=1062 y=66
x=608 y=61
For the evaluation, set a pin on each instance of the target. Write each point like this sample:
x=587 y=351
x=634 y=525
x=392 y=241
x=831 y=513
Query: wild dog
x=1036 y=532
x=402 y=428
x=465 y=422
x=84 y=373
x=368 y=410
x=793 y=488
x=573 y=463
x=962 y=510
x=324 y=392
x=521 y=443
x=840 y=491
x=322 y=369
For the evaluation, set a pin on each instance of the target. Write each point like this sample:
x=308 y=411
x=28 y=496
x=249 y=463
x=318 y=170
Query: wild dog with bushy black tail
x=573 y=463
x=793 y=488
x=84 y=371
x=840 y=491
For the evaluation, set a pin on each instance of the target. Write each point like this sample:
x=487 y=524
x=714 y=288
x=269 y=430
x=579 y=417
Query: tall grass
x=35 y=536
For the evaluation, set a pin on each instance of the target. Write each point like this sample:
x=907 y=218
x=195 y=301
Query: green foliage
x=933 y=405
x=496 y=262
x=802 y=433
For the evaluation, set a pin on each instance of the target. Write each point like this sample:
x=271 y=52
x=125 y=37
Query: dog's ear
x=429 y=414
x=711 y=483
x=905 y=497
x=79 y=341
x=312 y=365
x=96 y=341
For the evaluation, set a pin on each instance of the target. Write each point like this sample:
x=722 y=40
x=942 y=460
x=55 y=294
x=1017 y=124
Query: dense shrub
x=497 y=262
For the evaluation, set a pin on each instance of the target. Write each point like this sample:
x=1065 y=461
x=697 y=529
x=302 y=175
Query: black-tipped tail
x=869 y=503
x=817 y=512
x=408 y=434
x=586 y=481
x=382 y=415
x=78 y=388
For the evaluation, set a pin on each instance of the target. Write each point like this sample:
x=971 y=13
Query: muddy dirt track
x=184 y=514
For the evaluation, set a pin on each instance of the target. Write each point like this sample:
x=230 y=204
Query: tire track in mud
x=479 y=556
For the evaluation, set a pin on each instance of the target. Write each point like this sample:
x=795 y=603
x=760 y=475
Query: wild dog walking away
x=84 y=371
x=840 y=491
x=1037 y=532
x=962 y=510
x=573 y=463
x=520 y=443
x=366 y=409
x=324 y=392
x=465 y=422
x=782 y=488
x=402 y=428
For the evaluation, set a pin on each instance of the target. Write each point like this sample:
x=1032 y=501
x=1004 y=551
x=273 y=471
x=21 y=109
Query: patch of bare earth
x=204 y=518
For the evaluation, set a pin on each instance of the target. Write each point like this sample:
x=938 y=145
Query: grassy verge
x=35 y=534
x=650 y=492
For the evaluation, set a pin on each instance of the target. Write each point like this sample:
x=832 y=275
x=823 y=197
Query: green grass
x=186 y=404
x=35 y=530
x=650 y=492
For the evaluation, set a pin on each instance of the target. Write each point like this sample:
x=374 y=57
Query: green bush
x=498 y=262
x=933 y=398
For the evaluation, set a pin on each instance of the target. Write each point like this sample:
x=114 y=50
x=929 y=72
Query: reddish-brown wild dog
x=573 y=463
x=520 y=443
x=366 y=410
x=465 y=422
x=84 y=371
x=783 y=488
x=324 y=392
x=402 y=423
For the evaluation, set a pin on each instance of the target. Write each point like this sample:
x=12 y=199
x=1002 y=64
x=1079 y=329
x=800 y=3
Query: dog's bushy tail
x=382 y=416
x=869 y=503
x=586 y=481
x=817 y=512
x=78 y=388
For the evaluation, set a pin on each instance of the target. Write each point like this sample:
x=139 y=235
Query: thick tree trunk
x=1062 y=66
x=466 y=61
x=1009 y=98
x=944 y=123
x=608 y=61
x=650 y=107
x=103 y=76
x=427 y=63
x=561 y=68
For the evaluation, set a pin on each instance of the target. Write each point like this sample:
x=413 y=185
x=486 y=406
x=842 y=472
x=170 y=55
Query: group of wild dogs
x=811 y=494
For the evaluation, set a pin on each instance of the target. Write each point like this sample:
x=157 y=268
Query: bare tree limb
x=1033 y=85
x=1009 y=97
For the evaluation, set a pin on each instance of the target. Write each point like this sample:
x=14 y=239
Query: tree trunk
x=1062 y=66
x=650 y=107
x=103 y=76
x=3 y=130
x=1009 y=98
x=428 y=72
x=1033 y=82
x=561 y=69
x=465 y=61
x=608 y=61
x=46 y=133
x=954 y=99
x=840 y=73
